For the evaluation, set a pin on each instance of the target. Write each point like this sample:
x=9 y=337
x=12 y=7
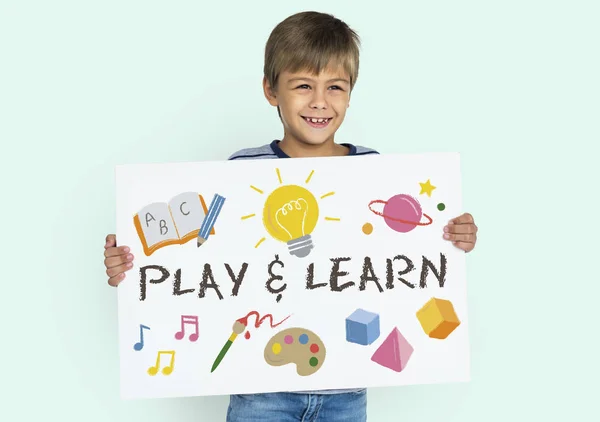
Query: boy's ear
x=269 y=93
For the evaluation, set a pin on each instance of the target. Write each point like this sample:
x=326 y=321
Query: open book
x=175 y=223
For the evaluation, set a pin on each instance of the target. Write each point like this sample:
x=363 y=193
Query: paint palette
x=296 y=345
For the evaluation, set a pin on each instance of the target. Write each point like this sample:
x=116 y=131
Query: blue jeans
x=288 y=407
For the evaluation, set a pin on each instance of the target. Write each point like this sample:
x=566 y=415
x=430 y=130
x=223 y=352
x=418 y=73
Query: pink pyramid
x=394 y=352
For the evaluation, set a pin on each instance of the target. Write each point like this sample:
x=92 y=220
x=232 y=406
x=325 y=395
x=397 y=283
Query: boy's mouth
x=317 y=122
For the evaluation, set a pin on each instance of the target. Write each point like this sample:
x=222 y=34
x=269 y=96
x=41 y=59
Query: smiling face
x=312 y=106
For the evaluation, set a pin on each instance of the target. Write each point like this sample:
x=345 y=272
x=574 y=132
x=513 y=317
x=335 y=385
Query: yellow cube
x=437 y=317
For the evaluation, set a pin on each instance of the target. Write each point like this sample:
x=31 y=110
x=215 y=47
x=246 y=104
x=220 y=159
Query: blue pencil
x=210 y=219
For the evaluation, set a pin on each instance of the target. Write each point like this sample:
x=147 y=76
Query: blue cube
x=362 y=327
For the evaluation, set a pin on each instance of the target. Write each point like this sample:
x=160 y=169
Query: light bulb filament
x=288 y=208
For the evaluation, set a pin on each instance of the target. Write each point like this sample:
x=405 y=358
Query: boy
x=311 y=66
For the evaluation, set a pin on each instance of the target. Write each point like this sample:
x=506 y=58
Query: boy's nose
x=318 y=106
x=318 y=101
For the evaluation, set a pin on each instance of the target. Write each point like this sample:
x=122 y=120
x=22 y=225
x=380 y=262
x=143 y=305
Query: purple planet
x=402 y=213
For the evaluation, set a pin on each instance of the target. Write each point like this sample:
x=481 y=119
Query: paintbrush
x=238 y=328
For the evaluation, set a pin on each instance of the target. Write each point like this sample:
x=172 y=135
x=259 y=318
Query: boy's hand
x=117 y=260
x=462 y=231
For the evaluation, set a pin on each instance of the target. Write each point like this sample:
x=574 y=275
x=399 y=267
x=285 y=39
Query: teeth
x=318 y=120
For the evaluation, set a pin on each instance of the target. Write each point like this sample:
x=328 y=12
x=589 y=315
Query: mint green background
x=511 y=85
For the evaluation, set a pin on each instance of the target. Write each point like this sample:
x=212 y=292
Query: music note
x=140 y=344
x=188 y=319
x=153 y=370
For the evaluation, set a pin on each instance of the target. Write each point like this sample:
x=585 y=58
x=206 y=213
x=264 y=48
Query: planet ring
x=380 y=201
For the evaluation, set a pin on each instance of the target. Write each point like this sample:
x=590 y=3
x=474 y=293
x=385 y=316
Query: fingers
x=466 y=218
x=112 y=271
x=460 y=237
x=111 y=241
x=465 y=246
x=114 y=281
x=462 y=232
x=117 y=261
x=461 y=228
x=114 y=251
x=119 y=269
x=116 y=274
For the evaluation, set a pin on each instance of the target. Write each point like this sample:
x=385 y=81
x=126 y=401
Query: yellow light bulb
x=290 y=215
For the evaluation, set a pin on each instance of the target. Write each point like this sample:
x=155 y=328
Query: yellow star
x=427 y=188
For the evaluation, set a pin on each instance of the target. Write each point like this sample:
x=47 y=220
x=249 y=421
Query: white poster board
x=290 y=275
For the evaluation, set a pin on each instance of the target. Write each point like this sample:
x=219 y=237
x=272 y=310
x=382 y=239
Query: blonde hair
x=311 y=41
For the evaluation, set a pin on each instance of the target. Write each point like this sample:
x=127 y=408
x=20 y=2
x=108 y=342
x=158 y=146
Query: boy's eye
x=335 y=87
